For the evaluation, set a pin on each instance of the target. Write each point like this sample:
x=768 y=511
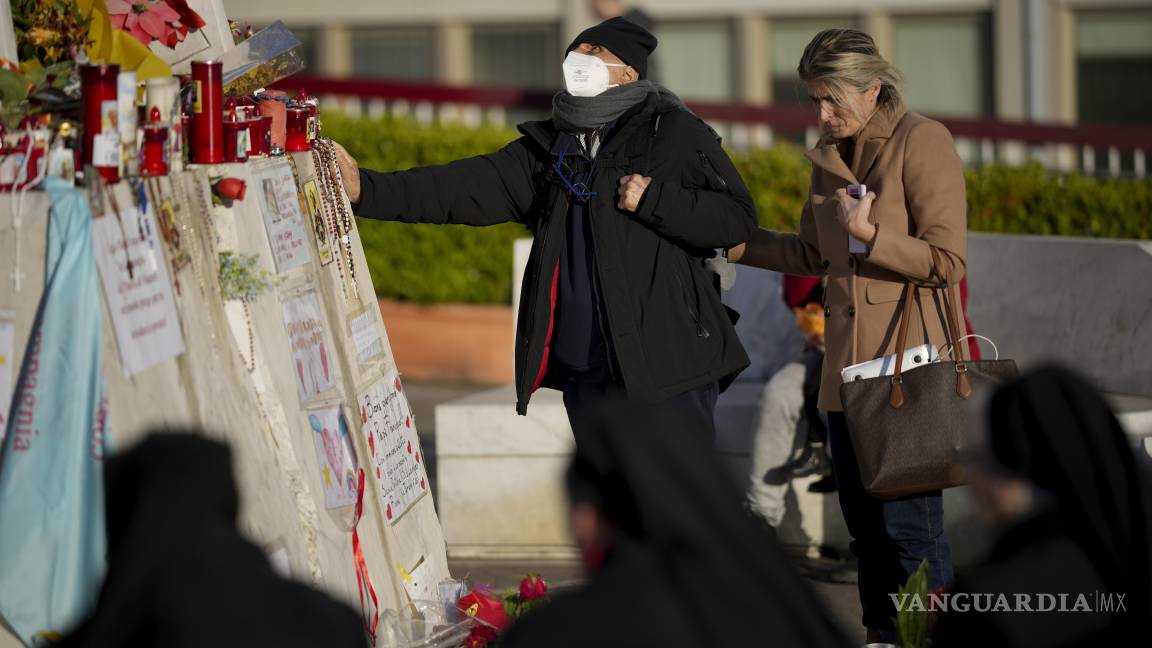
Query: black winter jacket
x=665 y=326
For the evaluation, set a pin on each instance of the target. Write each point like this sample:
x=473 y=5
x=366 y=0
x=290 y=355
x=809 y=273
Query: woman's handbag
x=908 y=428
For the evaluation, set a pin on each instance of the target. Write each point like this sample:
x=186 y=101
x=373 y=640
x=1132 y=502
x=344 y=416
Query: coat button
x=827 y=312
x=851 y=311
x=827 y=263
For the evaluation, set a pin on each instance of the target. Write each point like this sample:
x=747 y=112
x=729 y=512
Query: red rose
x=484 y=608
x=533 y=587
x=480 y=636
x=230 y=189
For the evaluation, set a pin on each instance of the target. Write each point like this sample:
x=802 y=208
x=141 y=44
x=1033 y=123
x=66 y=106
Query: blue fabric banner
x=52 y=537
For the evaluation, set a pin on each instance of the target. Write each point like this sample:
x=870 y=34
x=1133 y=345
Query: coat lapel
x=874 y=136
x=827 y=157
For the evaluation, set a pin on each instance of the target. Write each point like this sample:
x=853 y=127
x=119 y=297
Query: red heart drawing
x=407 y=421
x=409 y=447
x=417 y=457
x=377 y=472
x=388 y=512
x=398 y=387
x=371 y=443
x=421 y=483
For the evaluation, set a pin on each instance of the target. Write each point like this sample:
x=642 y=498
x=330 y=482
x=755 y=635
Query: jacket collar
x=868 y=144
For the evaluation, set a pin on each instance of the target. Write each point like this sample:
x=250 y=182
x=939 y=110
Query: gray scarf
x=572 y=114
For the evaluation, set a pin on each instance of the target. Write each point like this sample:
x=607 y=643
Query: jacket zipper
x=700 y=330
x=708 y=165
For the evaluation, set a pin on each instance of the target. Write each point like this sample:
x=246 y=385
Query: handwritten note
x=139 y=299
x=283 y=220
x=386 y=419
x=311 y=349
x=365 y=336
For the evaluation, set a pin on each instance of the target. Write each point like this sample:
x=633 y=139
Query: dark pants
x=595 y=407
x=890 y=537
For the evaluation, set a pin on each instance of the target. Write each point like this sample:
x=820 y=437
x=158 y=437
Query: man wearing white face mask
x=627 y=193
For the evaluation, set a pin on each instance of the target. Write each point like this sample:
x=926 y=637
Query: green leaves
x=239 y=278
x=914 y=621
x=13 y=87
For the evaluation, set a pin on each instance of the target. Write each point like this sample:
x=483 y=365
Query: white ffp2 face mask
x=586 y=75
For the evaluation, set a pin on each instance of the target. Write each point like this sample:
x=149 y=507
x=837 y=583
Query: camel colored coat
x=910 y=162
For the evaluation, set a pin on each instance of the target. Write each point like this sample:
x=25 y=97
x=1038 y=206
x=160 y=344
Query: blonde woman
x=914 y=210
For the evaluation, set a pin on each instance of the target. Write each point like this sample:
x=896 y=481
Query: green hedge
x=456 y=263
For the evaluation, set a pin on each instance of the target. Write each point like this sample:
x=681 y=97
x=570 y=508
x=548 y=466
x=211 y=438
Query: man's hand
x=631 y=190
x=349 y=172
x=853 y=215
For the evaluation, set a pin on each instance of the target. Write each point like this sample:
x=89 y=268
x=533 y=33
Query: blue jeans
x=889 y=537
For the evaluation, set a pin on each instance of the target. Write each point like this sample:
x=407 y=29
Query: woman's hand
x=853 y=213
x=349 y=173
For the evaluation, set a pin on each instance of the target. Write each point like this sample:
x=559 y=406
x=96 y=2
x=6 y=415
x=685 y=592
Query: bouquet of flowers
x=497 y=611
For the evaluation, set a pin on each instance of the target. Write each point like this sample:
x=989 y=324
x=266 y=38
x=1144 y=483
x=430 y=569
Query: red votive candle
x=235 y=138
x=208 y=112
x=155 y=146
x=101 y=147
x=259 y=130
x=297 y=129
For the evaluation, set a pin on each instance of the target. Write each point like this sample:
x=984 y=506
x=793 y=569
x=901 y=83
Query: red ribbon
x=362 y=577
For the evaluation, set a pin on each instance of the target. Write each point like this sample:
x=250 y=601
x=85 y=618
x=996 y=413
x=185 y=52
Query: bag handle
x=947 y=320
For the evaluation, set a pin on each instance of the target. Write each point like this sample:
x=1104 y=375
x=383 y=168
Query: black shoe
x=813 y=461
x=825 y=485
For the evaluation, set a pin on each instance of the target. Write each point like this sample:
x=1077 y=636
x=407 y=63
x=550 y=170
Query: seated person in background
x=789 y=435
x=1056 y=476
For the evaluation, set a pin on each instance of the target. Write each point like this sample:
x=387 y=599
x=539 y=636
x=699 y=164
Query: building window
x=946 y=62
x=525 y=56
x=786 y=42
x=694 y=59
x=407 y=53
x=1114 y=67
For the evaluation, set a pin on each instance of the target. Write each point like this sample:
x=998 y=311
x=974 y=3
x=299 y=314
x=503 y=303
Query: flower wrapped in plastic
x=270 y=55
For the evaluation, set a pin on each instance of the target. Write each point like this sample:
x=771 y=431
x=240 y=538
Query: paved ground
x=832 y=579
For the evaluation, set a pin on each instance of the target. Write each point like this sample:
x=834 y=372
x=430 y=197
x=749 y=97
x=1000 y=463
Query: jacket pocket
x=715 y=180
x=688 y=290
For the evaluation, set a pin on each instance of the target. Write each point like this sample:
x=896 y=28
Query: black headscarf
x=1053 y=429
x=181 y=574
x=690 y=565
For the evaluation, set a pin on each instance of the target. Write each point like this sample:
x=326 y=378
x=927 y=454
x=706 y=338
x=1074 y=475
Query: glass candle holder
x=297 y=130
x=101 y=143
x=208 y=112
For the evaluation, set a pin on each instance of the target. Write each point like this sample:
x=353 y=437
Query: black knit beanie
x=627 y=40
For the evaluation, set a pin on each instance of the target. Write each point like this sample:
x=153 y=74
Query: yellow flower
x=40 y=36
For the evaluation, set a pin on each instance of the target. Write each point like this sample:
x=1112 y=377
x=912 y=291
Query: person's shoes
x=813 y=461
x=825 y=485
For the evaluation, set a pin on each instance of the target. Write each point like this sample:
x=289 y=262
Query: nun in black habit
x=180 y=574
x=1057 y=474
x=674 y=558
